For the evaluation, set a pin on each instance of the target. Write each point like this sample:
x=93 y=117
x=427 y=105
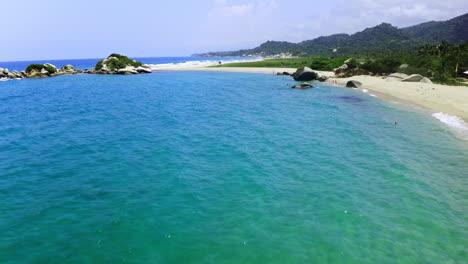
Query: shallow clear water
x=197 y=167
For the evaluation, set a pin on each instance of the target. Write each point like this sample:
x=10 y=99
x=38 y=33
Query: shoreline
x=452 y=100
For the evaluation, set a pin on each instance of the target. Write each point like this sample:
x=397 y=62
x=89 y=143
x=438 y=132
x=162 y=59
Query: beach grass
x=324 y=64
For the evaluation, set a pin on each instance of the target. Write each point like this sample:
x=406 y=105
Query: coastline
x=452 y=100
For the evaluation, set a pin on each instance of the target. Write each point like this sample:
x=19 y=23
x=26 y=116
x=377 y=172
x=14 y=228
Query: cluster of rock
x=304 y=74
x=349 y=69
x=38 y=71
x=6 y=74
x=114 y=64
x=344 y=71
x=120 y=64
x=128 y=70
x=401 y=77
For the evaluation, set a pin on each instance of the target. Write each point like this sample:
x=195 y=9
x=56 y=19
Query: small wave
x=373 y=95
x=197 y=63
x=365 y=90
x=4 y=79
x=455 y=123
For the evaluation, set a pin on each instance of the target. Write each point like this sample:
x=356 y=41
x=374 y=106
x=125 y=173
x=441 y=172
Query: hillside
x=371 y=41
x=454 y=31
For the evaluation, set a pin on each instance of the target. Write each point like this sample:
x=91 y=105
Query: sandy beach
x=452 y=100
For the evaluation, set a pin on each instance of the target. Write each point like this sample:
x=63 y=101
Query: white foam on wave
x=198 y=63
x=4 y=79
x=365 y=90
x=373 y=95
x=455 y=123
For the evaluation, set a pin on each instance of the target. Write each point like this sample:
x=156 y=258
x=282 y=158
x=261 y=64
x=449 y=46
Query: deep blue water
x=90 y=63
x=205 y=167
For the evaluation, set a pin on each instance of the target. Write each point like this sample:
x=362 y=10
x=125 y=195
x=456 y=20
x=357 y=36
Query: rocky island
x=120 y=64
x=39 y=71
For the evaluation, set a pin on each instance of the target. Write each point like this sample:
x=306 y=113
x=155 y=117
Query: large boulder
x=425 y=80
x=403 y=66
x=343 y=68
x=353 y=84
x=128 y=70
x=305 y=74
x=413 y=78
x=44 y=71
x=69 y=69
x=398 y=75
x=142 y=69
x=322 y=78
x=302 y=86
x=17 y=74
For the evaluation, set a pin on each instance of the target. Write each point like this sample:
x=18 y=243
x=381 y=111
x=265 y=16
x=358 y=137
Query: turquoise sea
x=206 y=167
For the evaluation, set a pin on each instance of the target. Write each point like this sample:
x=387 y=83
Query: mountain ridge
x=370 y=41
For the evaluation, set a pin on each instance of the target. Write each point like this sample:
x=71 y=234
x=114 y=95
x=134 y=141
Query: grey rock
x=399 y=75
x=413 y=78
x=143 y=70
x=353 y=84
x=305 y=74
x=425 y=80
x=127 y=70
x=322 y=78
x=302 y=86
x=403 y=66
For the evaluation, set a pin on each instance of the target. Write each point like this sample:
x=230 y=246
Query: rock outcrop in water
x=6 y=74
x=38 y=71
x=302 y=86
x=120 y=64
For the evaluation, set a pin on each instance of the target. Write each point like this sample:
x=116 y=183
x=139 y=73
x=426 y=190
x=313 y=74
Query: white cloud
x=247 y=23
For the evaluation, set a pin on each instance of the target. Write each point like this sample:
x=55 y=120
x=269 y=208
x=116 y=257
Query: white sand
x=448 y=99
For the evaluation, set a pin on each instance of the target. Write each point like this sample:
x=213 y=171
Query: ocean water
x=83 y=64
x=206 y=167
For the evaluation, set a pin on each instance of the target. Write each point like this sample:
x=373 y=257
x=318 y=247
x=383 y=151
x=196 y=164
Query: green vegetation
x=369 y=42
x=454 y=31
x=39 y=67
x=442 y=63
x=321 y=64
x=117 y=61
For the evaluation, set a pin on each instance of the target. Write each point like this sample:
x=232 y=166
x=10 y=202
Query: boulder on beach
x=413 y=78
x=302 y=86
x=353 y=84
x=398 y=75
x=425 y=80
x=322 y=78
x=305 y=74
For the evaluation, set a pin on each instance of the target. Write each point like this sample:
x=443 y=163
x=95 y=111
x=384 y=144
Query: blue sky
x=58 y=29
